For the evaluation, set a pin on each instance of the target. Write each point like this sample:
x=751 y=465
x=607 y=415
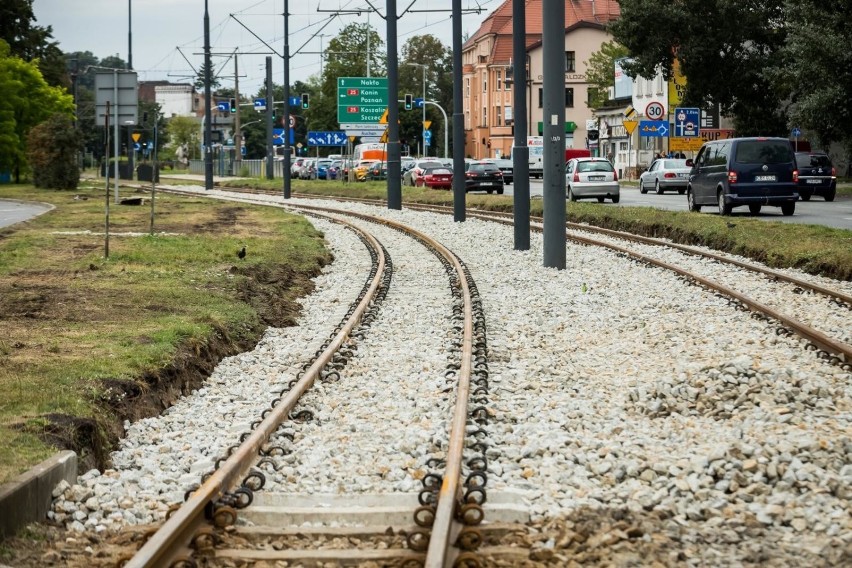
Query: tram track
x=453 y=494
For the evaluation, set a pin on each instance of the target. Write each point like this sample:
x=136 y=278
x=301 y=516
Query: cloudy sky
x=162 y=29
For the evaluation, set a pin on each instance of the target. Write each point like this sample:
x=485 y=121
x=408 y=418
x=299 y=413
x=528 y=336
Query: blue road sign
x=259 y=104
x=654 y=128
x=795 y=133
x=243 y=150
x=295 y=102
x=276 y=137
x=329 y=138
x=137 y=146
x=418 y=102
x=224 y=107
x=427 y=137
x=687 y=122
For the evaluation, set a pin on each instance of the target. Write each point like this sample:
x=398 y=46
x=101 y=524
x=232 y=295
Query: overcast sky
x=161 y=29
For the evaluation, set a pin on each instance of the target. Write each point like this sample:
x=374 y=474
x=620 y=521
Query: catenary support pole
x=287 y=166
x=238 y=138
x=208 y=113
x=458 y=117
x=115 y=142
x=270 y=151
x=520 y=152
x=553 y=48
x=394 y=165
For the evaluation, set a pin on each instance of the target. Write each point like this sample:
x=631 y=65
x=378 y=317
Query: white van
x=536 y=159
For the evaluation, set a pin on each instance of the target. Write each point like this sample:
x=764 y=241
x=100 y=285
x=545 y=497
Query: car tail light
x=669 y=175
x=576 y=176
x=614 y=175
x=795 y=176
x=470 y=174
x=732 y=177
x=833 y=172
x=498 y=174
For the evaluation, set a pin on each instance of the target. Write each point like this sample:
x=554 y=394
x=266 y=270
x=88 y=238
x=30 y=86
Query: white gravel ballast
x=613 y=385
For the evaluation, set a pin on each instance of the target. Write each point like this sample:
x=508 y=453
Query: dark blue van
x=744 y=171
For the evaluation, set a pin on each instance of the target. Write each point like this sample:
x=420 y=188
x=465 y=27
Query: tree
x=600 y=72
x=52 y=150
x=214 y=78
x=27 y=100
x=819 y=69
x=30 y=42
x=727 y=49
x=429 y=51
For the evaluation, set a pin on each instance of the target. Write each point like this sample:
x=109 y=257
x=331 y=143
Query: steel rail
x=173 y=536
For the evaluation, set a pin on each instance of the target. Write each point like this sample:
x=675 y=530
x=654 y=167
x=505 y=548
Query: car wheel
x=616 y=198
x=657 y=187
x=490 y=191
x=642 y=187
x=806 y=196
x=830 y=195
x=788 y=209
x=500 y=191
x=690 y=200
x=600 y=199
x=571 y=195
x=681 y=191
x=724 y=208
x=754 y=208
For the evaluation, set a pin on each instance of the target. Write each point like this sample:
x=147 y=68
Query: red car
x=436 y=178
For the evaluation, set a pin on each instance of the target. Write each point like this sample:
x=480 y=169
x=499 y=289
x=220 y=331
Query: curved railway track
x=829 y=346
x=453 y=494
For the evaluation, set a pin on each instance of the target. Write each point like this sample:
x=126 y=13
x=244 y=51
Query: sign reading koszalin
x=361 y=99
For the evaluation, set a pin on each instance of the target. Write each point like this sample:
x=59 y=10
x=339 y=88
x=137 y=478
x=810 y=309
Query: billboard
x=623 y=82
x=677 y=86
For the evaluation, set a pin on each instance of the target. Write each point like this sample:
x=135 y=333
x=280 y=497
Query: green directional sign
x=361 y=99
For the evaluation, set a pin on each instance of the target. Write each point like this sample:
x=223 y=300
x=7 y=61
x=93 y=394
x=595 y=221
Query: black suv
x=483 y=175
x=817 y=175
x=744 y=171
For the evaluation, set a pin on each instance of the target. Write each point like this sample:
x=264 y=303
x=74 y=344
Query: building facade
x=486 y=57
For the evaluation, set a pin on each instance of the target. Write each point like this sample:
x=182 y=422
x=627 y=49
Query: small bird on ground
x=731 y=225
x=242 y=253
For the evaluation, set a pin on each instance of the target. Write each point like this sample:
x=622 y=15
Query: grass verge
x=812 y=248
x=89 y=342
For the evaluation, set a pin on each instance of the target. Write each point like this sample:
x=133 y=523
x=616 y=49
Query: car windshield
x=763 y=152
x=324 y=163
x=813 y=161
x=673 y=164
x=594 y=166
x=427 y=165
x=484 y=168
x=439 y=171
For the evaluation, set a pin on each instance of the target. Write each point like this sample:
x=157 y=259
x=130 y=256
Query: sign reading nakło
x=361 y=99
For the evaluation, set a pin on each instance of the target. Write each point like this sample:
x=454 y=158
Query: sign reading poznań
x=361 y=99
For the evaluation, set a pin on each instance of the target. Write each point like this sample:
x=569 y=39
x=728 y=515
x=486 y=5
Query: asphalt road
x=12 y=212
x=837 y=214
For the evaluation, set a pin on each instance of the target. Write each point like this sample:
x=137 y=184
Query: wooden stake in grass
x=106 y=153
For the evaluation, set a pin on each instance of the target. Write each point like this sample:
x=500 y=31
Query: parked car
x=506 y=166
x=378 y=171
x=335 y=170
x=744 y=171
x=665 y=173
x=322 y=168
x=483 y=176
x=361 y=169
x=436 y=178
x=591 y=177
x=308 y=169
x=411 y=176
x=817 y=175
x=296 y=166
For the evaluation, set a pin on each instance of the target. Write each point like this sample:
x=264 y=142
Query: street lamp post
x=423 y=124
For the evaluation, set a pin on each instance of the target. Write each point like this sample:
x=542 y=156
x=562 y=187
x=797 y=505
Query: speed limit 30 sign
x=655 y=111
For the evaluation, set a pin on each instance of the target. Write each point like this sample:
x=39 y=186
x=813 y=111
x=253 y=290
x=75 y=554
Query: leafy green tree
x=183 y=130
x=727 y=49
x=429 y=51
x=27 y=101
x=600 y=72
x=52 y=149
x=819 y=69
x=31 y=42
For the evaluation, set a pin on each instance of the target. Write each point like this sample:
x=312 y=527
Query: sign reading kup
x=361 y=99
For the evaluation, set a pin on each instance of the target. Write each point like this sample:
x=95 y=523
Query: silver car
x=665 y=173
x=591 y=177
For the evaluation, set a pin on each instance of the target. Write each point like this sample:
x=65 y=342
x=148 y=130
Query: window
x=508 y=84
x=540 y=97
x=499 y=79
x=570 y=63
x=622 y=146
x=498 y=117
x=569 y=97
x=484 y=116
x=485 y=81
x=467 y=87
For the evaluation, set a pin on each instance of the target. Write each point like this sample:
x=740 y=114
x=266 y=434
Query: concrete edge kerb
x=28 y=498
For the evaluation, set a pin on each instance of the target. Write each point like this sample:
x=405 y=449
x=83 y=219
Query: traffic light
x=408 y=102
x=233 y=105
x=305 y=102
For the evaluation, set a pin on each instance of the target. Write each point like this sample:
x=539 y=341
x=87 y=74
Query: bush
x=52 y=149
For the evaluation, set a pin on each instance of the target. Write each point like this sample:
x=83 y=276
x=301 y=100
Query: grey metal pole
x=287 y=166
x=269 y=106
x=154 y=175
x=446 y=124
x=553 y=48
x=106 y=193
x=115 y=129
x=208 y=113
x=458 y=118
x=394 y=165
x=423 y=130
x=238 y=138
x=129 y=36
x=521 y=152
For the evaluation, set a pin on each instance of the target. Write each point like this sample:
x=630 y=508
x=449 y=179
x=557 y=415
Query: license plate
x=597 y=178
x=814 y=181
x=764 y=178
x=682 y=175
x=487 y=183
